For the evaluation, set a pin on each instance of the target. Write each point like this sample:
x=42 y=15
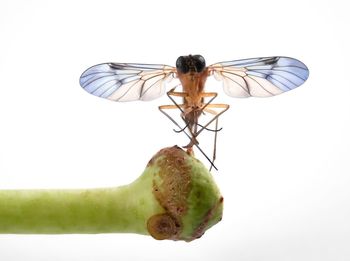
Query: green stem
x=175 y=198
x=104 y=210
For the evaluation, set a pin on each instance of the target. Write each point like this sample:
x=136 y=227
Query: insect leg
x=209 y=129
x=176 y=94
x=213 y=95
x=192 y=131
x=224 y=108
x=216 y=132
x=181 y=130
x=191 y=136
x=165 y=107
x=207 y=108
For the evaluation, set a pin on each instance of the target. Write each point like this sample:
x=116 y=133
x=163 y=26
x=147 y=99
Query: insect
x=256 y=77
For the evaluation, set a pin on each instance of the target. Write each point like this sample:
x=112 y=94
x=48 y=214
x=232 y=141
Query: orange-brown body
x=193 y=73
x=193 y=99
x=193 y=85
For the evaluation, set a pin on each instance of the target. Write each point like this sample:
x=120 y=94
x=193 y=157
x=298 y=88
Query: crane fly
x=255 y=77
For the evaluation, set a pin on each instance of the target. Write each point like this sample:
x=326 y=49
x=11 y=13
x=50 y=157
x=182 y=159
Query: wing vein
x=240 y=85
x=153 y=84
x=271 y=75
x=296 y=75
x=262 y=87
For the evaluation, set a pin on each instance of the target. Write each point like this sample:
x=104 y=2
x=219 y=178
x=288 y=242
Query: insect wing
x=260 y=77
x=127 y=81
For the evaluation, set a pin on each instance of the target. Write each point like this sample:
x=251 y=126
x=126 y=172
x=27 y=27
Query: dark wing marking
x=260 y=77
x=127 y=81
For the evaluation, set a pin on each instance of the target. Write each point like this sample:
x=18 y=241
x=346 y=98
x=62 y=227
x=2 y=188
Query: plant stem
x=175 y=198
x=104 y=210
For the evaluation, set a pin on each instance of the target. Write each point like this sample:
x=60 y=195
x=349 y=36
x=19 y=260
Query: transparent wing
x=127 y=81
x=260 y=77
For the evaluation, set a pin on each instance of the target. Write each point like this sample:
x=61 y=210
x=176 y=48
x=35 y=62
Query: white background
x=283 y=162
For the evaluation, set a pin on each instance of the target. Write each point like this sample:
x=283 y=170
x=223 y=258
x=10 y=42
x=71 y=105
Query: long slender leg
x=208 y=105
x=225 y=107
x=176 y=94
x=209 y=129
x=193 y=124
x=164 y=107
x=203 y=95
x=192 y=131
x=215 y=134
x=209 y=108
x=215 y=139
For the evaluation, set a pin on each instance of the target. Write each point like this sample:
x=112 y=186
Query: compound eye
x=199 y=62
x=181 y=65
